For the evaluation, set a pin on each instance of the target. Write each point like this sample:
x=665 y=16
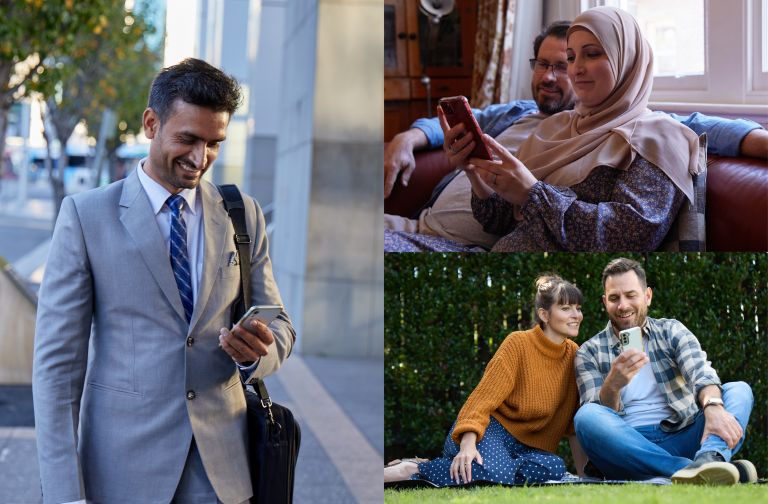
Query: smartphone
x=457 y=110
x=631 y=338
x=263 y=313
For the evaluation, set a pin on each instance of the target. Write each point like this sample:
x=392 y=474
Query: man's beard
x=641 y=315
x=552 y=105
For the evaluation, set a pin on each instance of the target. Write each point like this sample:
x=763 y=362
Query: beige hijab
x=567 y=146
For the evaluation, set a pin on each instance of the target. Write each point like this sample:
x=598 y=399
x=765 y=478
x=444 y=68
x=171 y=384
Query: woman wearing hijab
x=509 y=427
x=608 y=175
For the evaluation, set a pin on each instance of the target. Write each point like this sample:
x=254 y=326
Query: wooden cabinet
x=424 y=60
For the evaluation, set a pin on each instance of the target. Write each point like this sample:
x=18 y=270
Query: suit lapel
x=136 y=215
x=215 y=225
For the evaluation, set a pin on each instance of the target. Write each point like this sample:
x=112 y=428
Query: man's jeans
x=624 y=452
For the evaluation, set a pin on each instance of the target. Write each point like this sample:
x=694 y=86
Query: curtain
x=503 y=45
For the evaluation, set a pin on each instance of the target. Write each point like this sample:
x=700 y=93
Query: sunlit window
x=764 y=30
x=675 y=31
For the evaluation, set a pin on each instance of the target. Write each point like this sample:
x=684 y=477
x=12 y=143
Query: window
x=764 y=32
x=706 y=52
x=759 y=36
x=675 y=31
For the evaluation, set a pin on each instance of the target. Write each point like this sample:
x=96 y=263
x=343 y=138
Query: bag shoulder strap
x=233 y=203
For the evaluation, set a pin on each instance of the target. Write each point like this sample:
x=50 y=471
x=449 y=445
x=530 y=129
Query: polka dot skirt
x=505 y=460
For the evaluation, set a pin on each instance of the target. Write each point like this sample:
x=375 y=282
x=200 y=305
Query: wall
x=17 y=310
x=328 y=184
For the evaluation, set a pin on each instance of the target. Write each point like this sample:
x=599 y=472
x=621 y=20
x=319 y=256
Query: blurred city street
x=338 y=402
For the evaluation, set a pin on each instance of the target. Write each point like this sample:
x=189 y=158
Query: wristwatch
x=712 y=401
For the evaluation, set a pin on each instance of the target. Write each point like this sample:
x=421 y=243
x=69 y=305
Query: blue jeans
x=635 y=453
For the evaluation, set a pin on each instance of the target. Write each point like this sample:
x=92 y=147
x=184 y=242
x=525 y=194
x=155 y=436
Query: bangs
x=567 y=294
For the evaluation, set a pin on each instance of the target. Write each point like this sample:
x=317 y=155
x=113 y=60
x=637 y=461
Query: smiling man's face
x=552 y=91
x=185 y=145
x=626 y=301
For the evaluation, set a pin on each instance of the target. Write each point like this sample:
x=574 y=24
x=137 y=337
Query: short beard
x=550 y=107
x=641 y=318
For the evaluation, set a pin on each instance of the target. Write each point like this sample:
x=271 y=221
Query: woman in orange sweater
x=508 y=430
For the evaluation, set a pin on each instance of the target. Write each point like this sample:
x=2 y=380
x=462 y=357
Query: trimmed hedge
x=446 y=314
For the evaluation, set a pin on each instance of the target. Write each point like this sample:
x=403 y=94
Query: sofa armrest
x=431 y=167
x=737 y=204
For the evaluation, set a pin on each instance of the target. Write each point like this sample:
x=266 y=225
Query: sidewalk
x=25 y=227
x=37 y=206
x=342 y=422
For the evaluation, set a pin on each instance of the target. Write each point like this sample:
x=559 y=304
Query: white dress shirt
x=192 y=212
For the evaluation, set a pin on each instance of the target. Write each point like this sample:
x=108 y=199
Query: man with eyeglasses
x=449 y=213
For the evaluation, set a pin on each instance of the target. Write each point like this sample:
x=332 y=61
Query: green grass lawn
x=586 y=494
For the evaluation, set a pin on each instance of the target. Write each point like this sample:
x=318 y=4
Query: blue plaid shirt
x=677 y=360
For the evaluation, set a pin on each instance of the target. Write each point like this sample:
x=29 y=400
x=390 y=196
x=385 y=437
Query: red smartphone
x=457 y=110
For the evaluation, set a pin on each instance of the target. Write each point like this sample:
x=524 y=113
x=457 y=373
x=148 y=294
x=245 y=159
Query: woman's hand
x=506 y=176
x=458 y=145
x=461 y=467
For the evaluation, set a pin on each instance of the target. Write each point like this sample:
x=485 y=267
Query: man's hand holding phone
x=631 y=359
x=624 y=367
x=250 y=337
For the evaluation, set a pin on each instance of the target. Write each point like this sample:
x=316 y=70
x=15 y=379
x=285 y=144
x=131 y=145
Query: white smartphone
x=264 y=313
x=631 y=338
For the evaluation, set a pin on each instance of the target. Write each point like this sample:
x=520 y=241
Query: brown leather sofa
x=736 y=205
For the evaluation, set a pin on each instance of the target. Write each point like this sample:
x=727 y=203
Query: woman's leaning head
x=589 y=69
x=553 y=293
x=610 y=64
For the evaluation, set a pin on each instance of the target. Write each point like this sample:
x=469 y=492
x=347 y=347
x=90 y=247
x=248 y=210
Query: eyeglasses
x=539 y=67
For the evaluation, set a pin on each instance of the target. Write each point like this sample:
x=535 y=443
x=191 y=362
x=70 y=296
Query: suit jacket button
x=190 y=341
x=190 y=394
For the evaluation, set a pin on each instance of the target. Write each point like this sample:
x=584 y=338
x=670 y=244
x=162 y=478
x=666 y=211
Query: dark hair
x=558 y=29
x=196 y=82
x=624 y=265
x=551 y=289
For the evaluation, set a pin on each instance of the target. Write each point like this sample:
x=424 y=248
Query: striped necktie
x=179 y=257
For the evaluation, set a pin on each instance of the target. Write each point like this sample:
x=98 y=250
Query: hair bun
x=545 y=282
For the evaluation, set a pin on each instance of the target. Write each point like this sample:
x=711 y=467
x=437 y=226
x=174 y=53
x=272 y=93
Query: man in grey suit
x=137 y=380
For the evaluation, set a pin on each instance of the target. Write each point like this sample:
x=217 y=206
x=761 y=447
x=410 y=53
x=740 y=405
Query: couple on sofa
x=606 y=175
x=658 y=412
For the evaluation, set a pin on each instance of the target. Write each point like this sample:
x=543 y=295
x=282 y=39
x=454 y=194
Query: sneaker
x=747 y=471
x=708 y=468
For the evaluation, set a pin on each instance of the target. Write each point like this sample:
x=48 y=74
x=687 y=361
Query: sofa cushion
x=688 y=232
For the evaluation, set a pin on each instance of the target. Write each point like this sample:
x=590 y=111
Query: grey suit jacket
x=121 y=381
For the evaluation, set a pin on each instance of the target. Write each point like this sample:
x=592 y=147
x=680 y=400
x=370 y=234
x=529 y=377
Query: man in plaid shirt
x=658 y=412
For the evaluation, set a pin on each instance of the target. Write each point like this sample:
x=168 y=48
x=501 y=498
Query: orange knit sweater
x=529 y=386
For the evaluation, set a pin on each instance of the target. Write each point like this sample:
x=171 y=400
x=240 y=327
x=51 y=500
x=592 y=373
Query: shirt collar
x=158 y=194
